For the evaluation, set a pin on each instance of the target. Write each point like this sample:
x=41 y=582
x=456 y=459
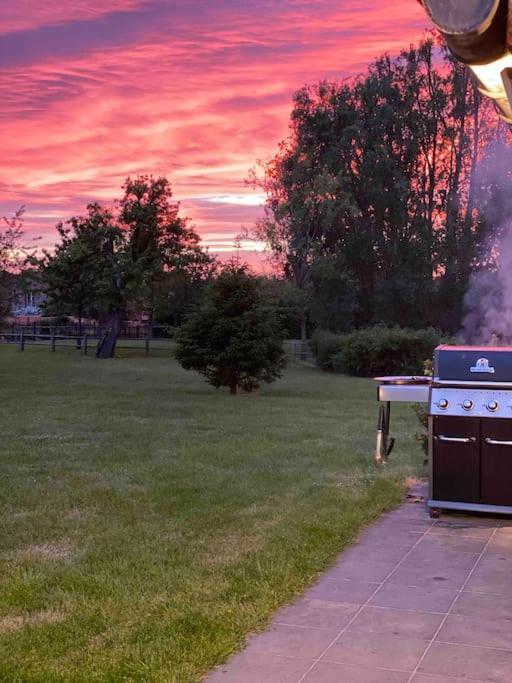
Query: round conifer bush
x=233 y=337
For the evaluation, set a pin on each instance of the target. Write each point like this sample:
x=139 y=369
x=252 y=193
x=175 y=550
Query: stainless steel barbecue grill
x=470 y=430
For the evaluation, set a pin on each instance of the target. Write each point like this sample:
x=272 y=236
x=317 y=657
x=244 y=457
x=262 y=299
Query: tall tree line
x=373 y=200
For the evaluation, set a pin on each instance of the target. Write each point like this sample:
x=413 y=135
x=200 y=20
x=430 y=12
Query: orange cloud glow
x=93 y=91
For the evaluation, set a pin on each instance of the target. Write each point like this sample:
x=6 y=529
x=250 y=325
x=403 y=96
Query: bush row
x=375 y=350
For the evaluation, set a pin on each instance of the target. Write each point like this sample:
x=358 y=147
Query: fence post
x=22 y=341
x=53 y=342
x=78 y=343
x=303 y=350
x=146 y=346
x=84 y=345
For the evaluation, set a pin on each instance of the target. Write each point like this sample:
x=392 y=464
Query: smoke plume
x=488 y=302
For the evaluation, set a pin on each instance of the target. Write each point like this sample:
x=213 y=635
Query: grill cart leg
x=383 y=446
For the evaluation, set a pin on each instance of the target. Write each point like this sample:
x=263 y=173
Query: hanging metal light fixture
x=479 y=34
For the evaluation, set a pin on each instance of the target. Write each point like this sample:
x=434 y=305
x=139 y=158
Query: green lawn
x=149 y=522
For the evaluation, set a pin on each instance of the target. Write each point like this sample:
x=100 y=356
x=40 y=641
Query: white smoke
x=488 y=302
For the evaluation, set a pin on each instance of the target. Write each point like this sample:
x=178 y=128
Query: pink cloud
x=20 y=15
x=200 y=95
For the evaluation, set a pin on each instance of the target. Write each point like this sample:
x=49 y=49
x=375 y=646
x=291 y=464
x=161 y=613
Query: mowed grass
x=149 y=522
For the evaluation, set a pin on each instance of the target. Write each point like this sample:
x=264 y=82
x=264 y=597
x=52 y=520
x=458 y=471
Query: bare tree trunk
x=233 y=383
x=303 y=336
x=107 y=346
x=80 y=321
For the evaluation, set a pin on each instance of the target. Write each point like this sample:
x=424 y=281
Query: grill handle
x=456 y=439
x=495 y=442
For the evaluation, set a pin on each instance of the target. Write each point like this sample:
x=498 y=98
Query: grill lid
x=474 y=364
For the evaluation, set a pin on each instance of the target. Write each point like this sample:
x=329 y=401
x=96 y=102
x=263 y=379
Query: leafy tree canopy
x=112 y=261
x=377 y=185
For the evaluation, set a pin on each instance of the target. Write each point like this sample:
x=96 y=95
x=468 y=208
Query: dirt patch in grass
x=50 y=552
x=21 y=514
x=230 y=549
x=16 y=622
x=74 y=513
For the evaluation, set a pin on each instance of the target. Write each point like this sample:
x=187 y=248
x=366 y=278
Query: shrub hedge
x=376 y=350
x=324 y=346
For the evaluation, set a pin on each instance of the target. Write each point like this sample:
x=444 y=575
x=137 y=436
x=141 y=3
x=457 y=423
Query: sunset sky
x=94 y=90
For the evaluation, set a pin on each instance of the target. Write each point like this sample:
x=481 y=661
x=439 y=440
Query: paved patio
x=413 y=600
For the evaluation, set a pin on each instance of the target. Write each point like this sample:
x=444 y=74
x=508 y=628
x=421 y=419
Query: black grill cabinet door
x=456 y=462
x=496 y=463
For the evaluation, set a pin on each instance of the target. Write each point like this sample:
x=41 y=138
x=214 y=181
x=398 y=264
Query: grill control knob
x=467 y=405
x=492 y=406
x=443 y=403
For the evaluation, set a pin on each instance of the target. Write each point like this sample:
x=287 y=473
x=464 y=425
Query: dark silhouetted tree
x=83 y=274
x=116 y=260
x=378 y=174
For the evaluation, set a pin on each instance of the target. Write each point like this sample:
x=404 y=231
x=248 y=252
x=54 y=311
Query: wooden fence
x=298 y=350
x=93 y=331
x=295 y=349
x=83 y=343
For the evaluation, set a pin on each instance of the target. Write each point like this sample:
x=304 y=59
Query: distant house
x=27 y=298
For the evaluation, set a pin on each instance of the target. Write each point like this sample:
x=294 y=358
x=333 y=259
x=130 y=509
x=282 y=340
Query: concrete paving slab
x=480 y=663
x=454 y=543
x=463 y=531
x=436 y=678
x=427 y=555
x=377 y=650
x=439 y=577
x=378 y=544
x=395 y=622
x=371 y=552
x=412 y=601
x=361 y=569
x=391 y=536
x=416 y=525
x=505 y=527
x=293 y=641
x=249 y=667
x=477 y=630
x=459 y=519
x=492 y=576
x=343 y=590
x=484 y=605
x=316 y=614
x=420 y=598
x=501 y=543
x=328 y=672
x=413 y=512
